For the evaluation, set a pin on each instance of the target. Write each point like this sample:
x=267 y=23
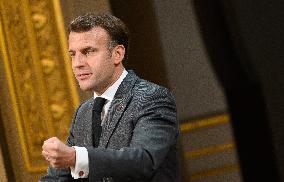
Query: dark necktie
x=96 y=117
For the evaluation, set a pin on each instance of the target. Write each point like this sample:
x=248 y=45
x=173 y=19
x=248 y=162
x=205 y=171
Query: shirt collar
x=110 y=92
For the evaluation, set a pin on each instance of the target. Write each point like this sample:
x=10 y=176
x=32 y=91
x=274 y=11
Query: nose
x=78 y=61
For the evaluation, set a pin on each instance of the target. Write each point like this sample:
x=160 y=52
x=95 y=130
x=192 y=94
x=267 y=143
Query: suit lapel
x=117 y=108
x=87 y=125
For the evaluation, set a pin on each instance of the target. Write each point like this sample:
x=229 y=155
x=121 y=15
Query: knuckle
x=54 y=156
x=55 y=138
x=56 y=147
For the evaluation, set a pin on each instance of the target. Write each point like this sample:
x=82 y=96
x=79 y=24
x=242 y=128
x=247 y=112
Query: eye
x=72 y=54
x=88 y=51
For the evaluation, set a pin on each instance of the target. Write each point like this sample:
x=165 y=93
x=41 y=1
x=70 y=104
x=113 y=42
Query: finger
x=50 y=147
x=45 y=154
x=51 y=140
x=47 y=147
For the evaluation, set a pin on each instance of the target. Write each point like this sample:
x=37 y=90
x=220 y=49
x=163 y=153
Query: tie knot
x=99 y=103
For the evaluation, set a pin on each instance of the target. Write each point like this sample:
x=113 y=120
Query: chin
x=86 y=88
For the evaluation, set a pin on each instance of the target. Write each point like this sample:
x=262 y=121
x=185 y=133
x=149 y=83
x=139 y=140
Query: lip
x=83 y=76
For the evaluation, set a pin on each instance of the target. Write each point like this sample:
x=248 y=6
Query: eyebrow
x=83 y=49
x=87 y=48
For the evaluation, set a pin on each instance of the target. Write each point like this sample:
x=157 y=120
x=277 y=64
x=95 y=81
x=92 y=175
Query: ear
x=118 y=53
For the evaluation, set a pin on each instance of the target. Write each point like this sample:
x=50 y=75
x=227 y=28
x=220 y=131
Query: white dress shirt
x=81 y=169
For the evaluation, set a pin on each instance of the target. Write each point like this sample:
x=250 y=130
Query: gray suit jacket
x=139 y=136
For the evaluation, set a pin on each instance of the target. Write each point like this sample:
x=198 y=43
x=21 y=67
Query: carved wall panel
x=41 y=85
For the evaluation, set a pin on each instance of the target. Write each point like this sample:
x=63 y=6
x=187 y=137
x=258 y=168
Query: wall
x=167 y=48
x=3 y=177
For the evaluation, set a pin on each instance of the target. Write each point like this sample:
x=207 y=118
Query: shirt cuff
x=81 y=169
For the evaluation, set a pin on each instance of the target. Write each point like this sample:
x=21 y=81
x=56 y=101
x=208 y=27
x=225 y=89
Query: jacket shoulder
x=148 y=91
x=84 y=106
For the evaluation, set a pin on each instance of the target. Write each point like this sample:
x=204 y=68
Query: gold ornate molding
x=37 y=67
x=202 y=123
x=213 y=172
x=199 y=154
x=210 y=150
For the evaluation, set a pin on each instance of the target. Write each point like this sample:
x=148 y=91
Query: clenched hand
x=58 y=154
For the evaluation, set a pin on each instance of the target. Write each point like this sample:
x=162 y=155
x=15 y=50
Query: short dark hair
x=116 y=29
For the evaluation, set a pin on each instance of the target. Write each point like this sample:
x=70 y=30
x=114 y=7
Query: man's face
x=92 y=62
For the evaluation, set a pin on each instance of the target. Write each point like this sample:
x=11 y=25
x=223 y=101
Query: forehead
x=95 y=36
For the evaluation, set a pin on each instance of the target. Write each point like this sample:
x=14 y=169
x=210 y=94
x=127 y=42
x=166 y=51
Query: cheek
x=108 y=67
x=101 y=65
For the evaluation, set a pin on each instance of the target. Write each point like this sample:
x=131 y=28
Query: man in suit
x=134 y=138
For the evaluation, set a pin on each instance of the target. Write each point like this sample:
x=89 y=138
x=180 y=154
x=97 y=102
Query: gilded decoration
x=37 y=68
